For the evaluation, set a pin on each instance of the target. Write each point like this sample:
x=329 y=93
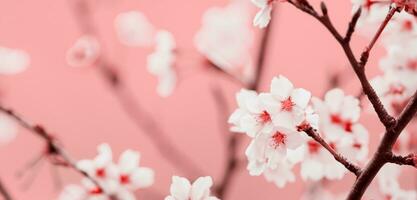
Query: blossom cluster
x=275 y=122
x=110 y=180
x=118 y=180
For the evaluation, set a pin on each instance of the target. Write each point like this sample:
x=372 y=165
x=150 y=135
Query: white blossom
x=225 y=38
x=8 y=129
x=13 y=61
x=182 y=189
x=134 y=29
x=263 y=16
x=161 y=63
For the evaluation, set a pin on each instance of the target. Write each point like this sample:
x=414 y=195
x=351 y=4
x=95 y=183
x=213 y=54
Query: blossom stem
x=128 y=102
x=61 y=158
x=338 y=157
x=4 y=192
x=403 y=160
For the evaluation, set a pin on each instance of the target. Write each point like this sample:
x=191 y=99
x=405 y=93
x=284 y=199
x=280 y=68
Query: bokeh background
x=77 y=106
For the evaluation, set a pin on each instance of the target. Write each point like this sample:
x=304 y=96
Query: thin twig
x=54 y=151
x=4 y=192
x=337 y=156
x=410 y=160
x=128 y=102
x=393 y=127
x=379 y=108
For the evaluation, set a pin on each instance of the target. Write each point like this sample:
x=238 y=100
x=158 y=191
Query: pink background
x=76 y=105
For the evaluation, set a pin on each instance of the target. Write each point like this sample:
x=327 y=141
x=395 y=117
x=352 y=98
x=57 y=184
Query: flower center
x=100 y=172
x=264 y=117
x=408 y=25
x=96 y=190
x=278 y=139
x=124 y=179
x=287 y=105
x=346 y=124
x=313 y=147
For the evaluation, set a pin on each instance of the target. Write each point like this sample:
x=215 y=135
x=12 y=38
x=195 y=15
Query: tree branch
x=410 y=159
x=382 y=113
x=56 y=154
x=4 y=192
x=128 y=102
x=337 y=156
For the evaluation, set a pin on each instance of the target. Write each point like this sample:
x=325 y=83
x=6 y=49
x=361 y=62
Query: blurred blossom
x=13 y=61
x=182 y=189
x=84 y=52
x=134 y=29
x=389 y=185
x=225 y=38
x=120 y=179
x=161 y=62
x=8 y=129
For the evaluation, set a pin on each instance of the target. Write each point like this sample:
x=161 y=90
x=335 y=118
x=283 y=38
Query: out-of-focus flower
x=13 y=61
x=281 y=175
x=389 y=187
x=8 y=129
x=134 y=29
x=115 y=180
x=226 y=38
x=263 y=17
x=161 y=63
x=394 y=89
x=84 y=52
x=182 y=189
x=251 y=116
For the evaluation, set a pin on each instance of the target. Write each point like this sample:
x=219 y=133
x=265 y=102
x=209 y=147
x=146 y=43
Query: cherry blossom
x=263 y=16
x=182 y=189
x=281 y=175
x=99 y=167
x=130 y=174
x=84 y=52
x=287 y=105
x=394 y=90
x=389 y=185
x=13 y=61
x=251 y=117
x=339 y=123
x=161 y=63
x=268 y=149
x=114 y=180
x=134 y=29
x=8 y=129
x=225 y=38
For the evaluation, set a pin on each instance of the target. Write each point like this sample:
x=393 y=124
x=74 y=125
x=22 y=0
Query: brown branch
x=4 y=192
x=352 y=25
x=128 y=102
x=393 y=127
x=337 y=156
x=56 y=154
x=357 y=66
x=410 y=159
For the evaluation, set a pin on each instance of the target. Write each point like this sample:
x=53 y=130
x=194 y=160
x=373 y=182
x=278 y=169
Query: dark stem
x=128 y=102
x=54 y=151
x=403 y=160
x=337 y=156
x=4 y=192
